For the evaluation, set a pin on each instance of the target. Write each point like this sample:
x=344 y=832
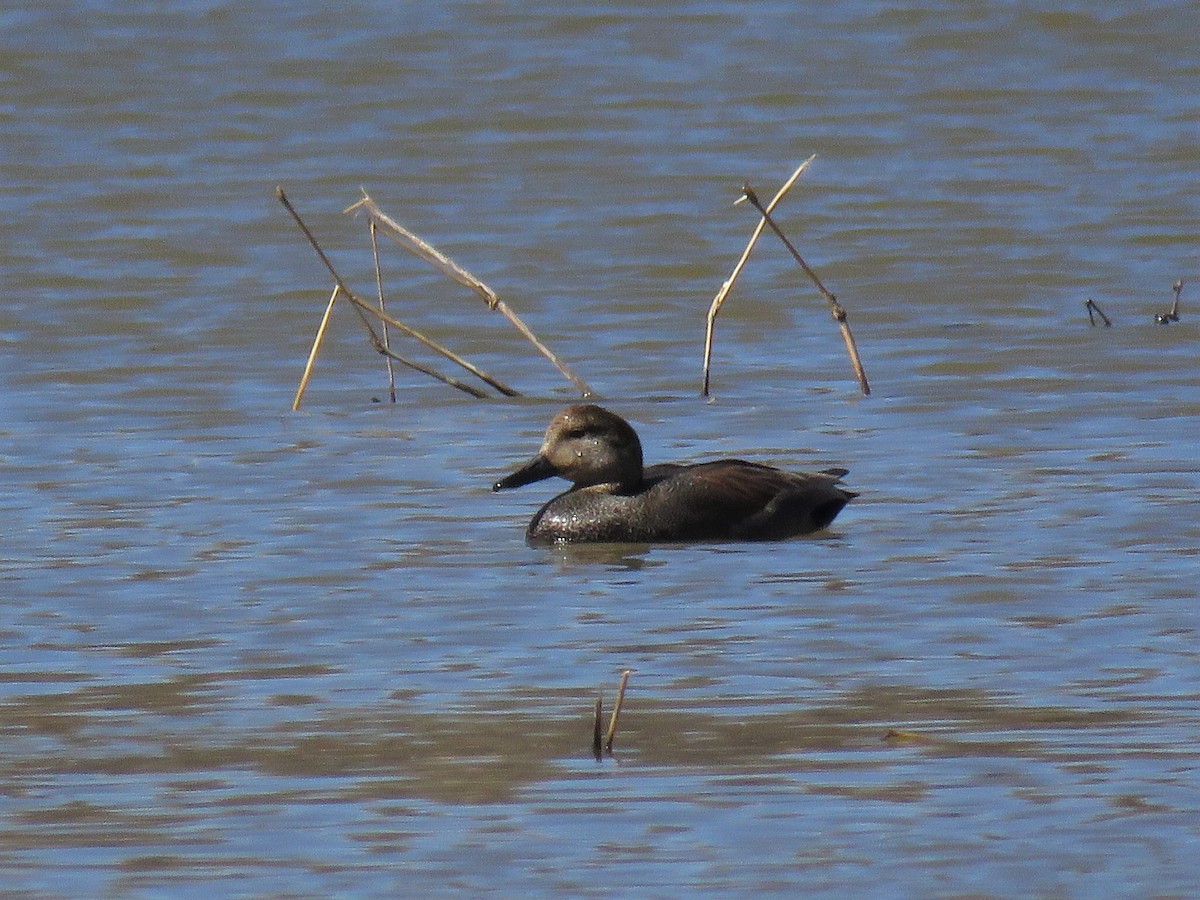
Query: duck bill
x=536 y=469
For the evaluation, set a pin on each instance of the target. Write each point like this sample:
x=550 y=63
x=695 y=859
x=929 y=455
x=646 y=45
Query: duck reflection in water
x=615 y=500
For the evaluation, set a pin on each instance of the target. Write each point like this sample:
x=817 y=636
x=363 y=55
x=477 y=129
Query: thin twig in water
x=387 y=343
x=433 y=373
x=433 y=345
x=719 y=300
x=598 y=728
x=363 y=308
x=835 y=308
x=412 y=364
x=426 y=251
x=1173 y=315
x=612 y=723
x=1094 y=310
x=337 y=279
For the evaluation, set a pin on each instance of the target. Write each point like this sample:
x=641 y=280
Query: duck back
x=729 y=499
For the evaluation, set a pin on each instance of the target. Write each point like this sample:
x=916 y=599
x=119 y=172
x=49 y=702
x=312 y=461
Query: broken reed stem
x=387 y=343
x=835 y=308
x=719 y=300
x=412 y=364
x=434 y=373
x=1094 y=310
x=316 y=347
x=1173 y=315
x=598 y=729
x=426 y=251
x=362 y=308
x=612 y=723
x=499 y=385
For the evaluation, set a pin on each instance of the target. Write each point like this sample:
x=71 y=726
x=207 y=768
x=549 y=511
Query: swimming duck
x=615 y=500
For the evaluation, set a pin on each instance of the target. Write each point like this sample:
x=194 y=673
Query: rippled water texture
x=248 y=651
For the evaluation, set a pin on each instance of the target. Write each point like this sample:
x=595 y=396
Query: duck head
x=587 y=445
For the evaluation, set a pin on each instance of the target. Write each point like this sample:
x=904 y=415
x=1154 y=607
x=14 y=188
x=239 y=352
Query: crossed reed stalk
x=766 y=220
x=369 y=313
x=378 y=322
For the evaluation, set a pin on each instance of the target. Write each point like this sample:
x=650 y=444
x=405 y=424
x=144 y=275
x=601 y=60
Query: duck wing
x=733 y=498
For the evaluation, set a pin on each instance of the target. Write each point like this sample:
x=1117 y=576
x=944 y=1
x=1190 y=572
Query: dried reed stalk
x=362 y=308
x=835 y=308
x=433 y=373
x=387 y=342
x=316 y=348
x=612 y=723
x=1173 y=315
x=499 y=385
x=719 y=300
x=412 y=364
x=426 y=251
x=1094 y=310
x=598 y=729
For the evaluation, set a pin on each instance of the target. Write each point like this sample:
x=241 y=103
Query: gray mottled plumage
x=615 y=501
